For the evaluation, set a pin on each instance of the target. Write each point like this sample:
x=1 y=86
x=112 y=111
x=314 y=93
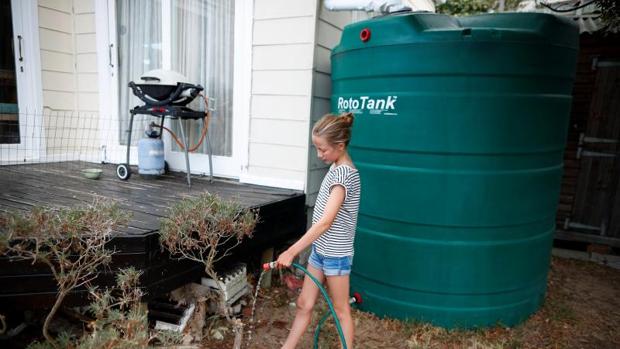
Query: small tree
x=120 y=320
x=464 y=7
x=610 y=13
x=71 y=242
x=471 y=7
x=205 y=229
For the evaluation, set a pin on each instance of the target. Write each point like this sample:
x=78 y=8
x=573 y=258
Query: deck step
x=166 y=315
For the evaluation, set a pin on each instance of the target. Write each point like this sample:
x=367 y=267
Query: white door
x=20 y=93
x=209 y=42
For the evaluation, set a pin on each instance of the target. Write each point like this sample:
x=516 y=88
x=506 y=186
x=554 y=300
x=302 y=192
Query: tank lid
x=430 y=27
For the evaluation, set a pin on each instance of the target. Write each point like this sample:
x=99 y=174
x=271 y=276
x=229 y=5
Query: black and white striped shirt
x=337 y=241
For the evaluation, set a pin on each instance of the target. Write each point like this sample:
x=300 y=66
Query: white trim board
x=273 y=182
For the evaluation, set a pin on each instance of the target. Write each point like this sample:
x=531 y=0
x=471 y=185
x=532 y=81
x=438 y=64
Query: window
x=201 y=35
x=203 y=50
x=208 y=41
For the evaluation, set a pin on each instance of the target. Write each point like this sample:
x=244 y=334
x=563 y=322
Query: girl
x=332 y=231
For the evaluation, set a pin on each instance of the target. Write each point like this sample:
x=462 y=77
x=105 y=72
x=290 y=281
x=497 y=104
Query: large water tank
x=459 y=136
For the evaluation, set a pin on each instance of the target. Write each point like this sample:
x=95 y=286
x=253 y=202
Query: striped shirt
x=337 y=241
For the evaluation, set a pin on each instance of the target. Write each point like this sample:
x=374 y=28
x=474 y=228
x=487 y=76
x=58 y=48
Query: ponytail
x=334 y=128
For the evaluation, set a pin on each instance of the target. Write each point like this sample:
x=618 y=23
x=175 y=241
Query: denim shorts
x=330 y=266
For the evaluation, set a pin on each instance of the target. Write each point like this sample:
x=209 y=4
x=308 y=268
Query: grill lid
x=163 y=77
x=164 y=87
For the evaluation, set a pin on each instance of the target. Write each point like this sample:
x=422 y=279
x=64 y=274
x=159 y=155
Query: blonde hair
x=334 y=128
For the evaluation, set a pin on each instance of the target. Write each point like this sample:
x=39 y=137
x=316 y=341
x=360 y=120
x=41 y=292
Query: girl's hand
x=285 y=259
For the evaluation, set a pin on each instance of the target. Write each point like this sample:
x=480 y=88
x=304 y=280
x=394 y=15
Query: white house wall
x=329 y=29
x=282 y=74
x=57 y=54
x=68 y=75
x=86 y=55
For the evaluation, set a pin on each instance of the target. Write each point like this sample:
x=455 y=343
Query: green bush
x=71 y=242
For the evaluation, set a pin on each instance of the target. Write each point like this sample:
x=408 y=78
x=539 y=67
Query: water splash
x=251 y=324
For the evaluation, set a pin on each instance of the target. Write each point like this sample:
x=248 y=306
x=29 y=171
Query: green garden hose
x=272 y=265
x=317 y=332
x=357 y=298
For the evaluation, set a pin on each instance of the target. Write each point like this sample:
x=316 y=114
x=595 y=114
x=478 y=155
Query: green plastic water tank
x=459 y=136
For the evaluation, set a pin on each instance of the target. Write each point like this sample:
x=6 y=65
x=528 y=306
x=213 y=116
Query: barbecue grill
x=165 y=94
x=165 y=87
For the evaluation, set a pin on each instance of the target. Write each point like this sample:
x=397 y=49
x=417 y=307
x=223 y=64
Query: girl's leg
x=339 y=293
x=305 y=303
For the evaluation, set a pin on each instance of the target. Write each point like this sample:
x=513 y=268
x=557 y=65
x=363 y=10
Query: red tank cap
x=365 y=34
x=358 y=298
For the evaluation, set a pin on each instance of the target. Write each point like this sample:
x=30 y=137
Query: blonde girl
x=333 y=229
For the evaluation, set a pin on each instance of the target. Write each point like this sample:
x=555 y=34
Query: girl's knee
x=305 y=305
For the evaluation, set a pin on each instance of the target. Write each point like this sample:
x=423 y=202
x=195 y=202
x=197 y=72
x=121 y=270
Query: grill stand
x=173 y=112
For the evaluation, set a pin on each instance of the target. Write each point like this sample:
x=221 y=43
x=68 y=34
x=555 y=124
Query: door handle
x=110 y=55
x=19 y=45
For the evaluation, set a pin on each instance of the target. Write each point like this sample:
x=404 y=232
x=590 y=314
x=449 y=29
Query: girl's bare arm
x=336 y=198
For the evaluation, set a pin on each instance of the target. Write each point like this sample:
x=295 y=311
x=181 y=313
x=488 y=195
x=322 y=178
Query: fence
x=59 y=136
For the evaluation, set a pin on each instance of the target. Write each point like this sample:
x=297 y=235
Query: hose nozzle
x=270 y=265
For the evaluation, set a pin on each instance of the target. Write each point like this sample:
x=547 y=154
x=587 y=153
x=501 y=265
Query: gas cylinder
x=151 y=153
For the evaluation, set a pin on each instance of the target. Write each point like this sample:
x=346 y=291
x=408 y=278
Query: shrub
x=71 y=242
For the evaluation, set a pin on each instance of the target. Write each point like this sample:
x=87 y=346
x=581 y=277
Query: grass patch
x=557 y=309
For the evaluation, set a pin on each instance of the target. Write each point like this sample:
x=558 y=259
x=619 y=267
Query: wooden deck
x=281 y=213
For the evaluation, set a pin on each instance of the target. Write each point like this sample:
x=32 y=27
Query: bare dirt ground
x=582 y=310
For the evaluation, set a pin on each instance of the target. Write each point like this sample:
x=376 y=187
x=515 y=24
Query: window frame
x=25 y=18
x=234 y=166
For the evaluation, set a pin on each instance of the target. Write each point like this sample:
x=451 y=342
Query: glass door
x=202 y=40
x=129 y=43
x=202 y=48
x=20 y=112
